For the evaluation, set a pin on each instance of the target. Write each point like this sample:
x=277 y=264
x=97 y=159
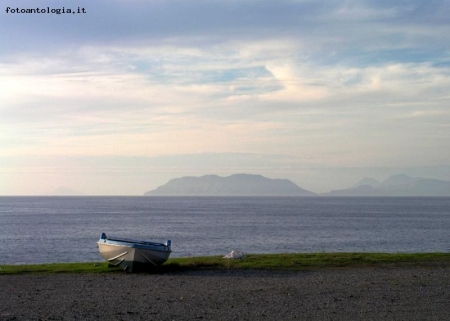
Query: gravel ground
x=418 y=293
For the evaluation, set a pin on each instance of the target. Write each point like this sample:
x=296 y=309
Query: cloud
x=104 y=98
x=341 y=83
x=200 y=23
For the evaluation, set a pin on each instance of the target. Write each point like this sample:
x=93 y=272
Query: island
x=234 y=185
x=399 y=185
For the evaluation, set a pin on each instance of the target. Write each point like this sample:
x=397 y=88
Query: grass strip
x=91 y=267
x=276 y=262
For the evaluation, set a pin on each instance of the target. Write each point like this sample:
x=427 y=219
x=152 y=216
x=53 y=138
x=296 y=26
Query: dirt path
x=356 y=294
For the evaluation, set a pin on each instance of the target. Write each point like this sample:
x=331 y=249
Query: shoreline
x=269 y=262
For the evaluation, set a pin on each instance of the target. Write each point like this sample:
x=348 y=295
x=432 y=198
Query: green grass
x=289 y=262
x=311 y=261
x=92 y=267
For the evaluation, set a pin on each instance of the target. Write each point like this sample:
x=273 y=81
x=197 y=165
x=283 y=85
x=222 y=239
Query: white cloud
x=336 y=83
x=114 y=103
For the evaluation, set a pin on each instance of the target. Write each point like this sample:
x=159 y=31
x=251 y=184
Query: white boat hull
x=133 y=255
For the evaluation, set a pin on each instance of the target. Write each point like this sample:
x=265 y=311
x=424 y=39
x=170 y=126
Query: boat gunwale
x=159 y=247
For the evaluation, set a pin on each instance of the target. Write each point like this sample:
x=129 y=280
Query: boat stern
x=168 y=244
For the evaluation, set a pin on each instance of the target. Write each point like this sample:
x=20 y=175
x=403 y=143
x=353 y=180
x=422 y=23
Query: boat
x=133 y=255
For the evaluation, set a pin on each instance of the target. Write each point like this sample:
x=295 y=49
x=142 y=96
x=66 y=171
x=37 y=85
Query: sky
x=130 y=94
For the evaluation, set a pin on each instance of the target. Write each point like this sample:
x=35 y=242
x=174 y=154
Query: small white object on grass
x=235 y=254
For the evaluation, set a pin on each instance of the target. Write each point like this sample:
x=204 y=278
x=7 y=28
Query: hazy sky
x=133 y=93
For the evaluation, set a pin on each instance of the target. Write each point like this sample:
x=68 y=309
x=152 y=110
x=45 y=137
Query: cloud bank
x=299 y=85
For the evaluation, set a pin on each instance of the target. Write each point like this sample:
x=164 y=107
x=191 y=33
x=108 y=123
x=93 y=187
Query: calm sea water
x=66 y=229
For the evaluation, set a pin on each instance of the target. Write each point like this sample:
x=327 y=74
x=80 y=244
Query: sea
x=66 y=229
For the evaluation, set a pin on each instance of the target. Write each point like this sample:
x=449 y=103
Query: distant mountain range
x=397 y=185
x=234 y=185
x=257 y=185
